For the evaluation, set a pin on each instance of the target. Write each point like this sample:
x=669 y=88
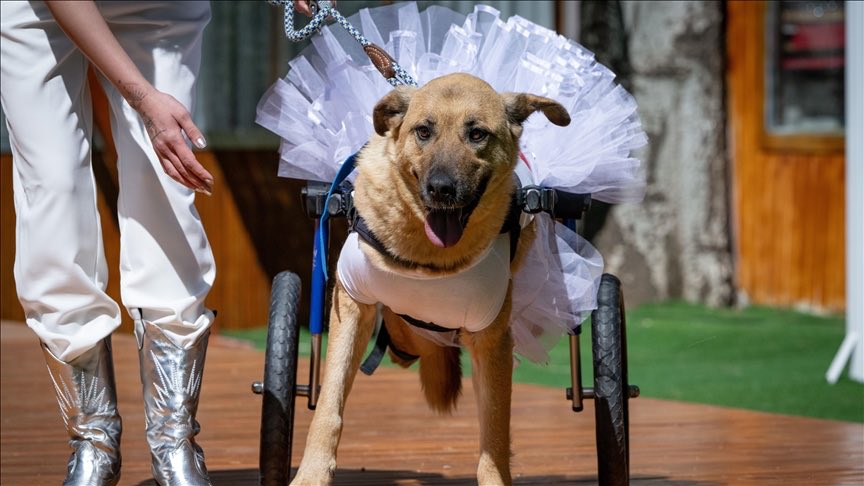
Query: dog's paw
x=488 y=473
x=311 y=481
x=315 y=474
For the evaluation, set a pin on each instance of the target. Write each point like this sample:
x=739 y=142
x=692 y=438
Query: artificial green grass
x=755 y=358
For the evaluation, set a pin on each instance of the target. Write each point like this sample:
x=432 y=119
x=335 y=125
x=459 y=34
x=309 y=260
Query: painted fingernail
x=200 y=143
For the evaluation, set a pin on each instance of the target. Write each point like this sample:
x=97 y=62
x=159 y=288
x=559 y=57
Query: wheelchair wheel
x=280 y=378
x=611 y=391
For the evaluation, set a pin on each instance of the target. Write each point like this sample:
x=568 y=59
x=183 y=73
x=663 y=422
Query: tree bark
x=677 y=243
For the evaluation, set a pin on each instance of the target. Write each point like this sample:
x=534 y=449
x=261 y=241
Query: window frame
x=795 y=142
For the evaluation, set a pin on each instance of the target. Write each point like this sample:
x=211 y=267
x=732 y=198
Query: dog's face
x=456 y=142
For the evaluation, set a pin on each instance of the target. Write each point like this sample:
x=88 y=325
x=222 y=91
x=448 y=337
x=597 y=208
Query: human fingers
x=302 y=6
x=191 y=130
x=170 y=168
x=180 y=168
x=187 y=157
x=166 y=120
x=193 y=169
x=176 y=159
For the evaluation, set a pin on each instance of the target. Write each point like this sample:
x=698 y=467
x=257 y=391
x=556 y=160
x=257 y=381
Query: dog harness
x=469 y=299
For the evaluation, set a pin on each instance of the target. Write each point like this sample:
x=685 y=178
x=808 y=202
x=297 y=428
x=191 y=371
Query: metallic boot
x=171 y=377
x=88 y=404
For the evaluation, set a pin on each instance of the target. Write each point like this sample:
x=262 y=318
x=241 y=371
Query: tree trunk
x=677 y=243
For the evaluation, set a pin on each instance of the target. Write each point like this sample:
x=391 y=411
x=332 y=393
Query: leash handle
x=391 y=70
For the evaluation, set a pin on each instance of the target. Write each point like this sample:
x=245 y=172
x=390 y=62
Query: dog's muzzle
x=448 y=206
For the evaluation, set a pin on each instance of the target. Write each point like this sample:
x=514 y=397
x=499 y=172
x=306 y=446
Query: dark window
x=805 y=49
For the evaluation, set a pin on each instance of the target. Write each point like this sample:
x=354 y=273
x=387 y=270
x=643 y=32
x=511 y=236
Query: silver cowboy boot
x=88 y=405
x=171 y=377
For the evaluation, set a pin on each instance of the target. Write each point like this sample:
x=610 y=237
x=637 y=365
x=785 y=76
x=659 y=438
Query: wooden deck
x=391 y=438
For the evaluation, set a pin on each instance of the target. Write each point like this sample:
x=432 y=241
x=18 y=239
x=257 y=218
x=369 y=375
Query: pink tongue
x=443 y=228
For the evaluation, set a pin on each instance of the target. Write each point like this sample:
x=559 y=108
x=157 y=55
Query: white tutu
x=322 y=110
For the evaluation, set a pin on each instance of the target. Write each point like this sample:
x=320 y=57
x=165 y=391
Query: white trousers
x=166 y=265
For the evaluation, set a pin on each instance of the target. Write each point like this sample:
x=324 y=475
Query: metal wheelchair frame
x=611 y=390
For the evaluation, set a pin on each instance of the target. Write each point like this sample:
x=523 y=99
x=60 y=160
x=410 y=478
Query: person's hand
x=167 y=122
x=164 y=117
x=303 y=7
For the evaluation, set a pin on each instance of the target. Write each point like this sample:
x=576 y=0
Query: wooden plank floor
x=391 y=438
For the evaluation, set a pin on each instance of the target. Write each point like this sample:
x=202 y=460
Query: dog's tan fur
x=388 y=195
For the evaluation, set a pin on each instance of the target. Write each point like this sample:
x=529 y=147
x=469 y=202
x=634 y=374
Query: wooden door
x=787 y=193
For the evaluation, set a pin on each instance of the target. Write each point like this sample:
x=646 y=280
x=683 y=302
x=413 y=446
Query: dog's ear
x=390 y=110
x=520 y=106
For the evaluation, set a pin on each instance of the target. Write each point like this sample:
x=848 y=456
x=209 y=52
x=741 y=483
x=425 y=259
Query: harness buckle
x=535 y=199
x=316 y=204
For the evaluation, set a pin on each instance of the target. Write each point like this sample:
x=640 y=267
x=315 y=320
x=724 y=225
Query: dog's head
x=455 y=142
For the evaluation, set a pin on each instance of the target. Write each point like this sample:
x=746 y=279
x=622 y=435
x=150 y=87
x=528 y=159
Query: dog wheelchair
x=280 y=387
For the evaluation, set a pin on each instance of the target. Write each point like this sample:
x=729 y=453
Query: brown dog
x=434 y=187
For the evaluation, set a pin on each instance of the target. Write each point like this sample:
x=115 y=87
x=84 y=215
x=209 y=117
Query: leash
x=391 y=70
x=395 y=74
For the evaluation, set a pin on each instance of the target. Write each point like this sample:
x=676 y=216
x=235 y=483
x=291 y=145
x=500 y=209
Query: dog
x=433 y=189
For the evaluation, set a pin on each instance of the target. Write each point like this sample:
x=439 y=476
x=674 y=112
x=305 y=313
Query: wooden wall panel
x=241 y=292
x=9 y=306
x=788 y=203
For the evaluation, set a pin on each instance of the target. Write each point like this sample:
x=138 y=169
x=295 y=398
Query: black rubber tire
x=611 y=392
x=280 y=379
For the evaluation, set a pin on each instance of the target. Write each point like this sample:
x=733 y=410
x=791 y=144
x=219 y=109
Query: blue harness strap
x=343 y=173
x=319 y=253
x=383 y=339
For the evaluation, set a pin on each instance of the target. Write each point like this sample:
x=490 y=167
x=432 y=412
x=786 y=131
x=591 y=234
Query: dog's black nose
x=440 y=186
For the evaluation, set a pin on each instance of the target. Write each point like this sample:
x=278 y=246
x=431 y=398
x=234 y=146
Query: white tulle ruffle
x=322 y=110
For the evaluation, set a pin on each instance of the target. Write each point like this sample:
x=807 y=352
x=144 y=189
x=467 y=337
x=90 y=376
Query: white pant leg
x=166 y=264
x=60 y=269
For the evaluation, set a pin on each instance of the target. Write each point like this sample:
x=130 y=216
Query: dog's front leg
x=492 y=376
x=351 y=325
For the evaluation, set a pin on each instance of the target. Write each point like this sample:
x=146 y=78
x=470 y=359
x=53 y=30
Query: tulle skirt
x=322 y=110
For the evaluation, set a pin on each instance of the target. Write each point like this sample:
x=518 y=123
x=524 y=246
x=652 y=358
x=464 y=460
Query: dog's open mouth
x=444 y=227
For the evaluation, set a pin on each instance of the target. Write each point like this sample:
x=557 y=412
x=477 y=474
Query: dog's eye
x=423 y=132
x=477 y=135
